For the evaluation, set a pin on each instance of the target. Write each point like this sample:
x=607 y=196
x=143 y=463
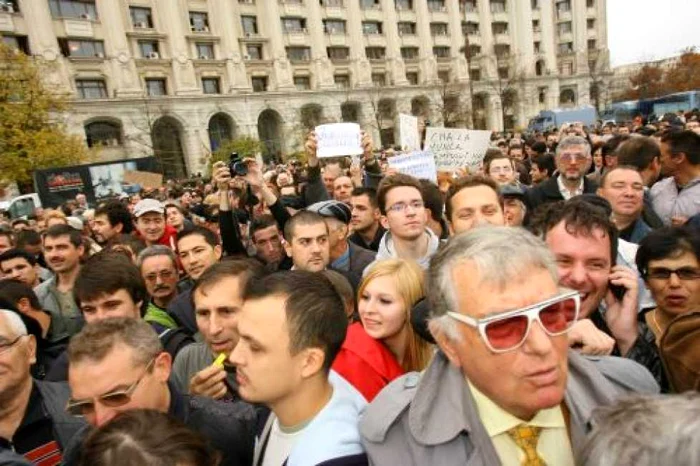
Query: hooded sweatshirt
x=387 y=251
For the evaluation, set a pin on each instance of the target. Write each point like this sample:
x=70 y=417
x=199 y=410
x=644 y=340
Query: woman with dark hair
x=669 y=261
x=146 y=438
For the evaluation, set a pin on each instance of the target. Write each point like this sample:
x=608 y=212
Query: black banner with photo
x=98 y=181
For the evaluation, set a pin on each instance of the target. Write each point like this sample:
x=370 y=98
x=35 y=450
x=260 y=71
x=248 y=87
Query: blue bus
x=671 y=103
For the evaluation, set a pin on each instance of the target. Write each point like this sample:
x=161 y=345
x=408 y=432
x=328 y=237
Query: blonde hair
x=410 y=284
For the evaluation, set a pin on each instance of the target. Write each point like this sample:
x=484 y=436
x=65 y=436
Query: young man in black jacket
x=119 y=364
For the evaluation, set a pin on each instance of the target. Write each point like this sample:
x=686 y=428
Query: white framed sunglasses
x=508 y=330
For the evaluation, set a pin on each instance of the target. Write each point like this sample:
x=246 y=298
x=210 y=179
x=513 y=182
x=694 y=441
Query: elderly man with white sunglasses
x=504 y=388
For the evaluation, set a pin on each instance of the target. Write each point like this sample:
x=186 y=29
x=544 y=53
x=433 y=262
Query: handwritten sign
x=420 y=164
x=410 y=138
x=338 y=139
x=144 y=179
x=457 y=148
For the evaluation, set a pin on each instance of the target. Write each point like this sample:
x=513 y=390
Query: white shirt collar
x=566 y=194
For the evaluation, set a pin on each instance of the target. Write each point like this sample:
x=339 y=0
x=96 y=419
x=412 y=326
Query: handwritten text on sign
x=338 y=139
x=408 y=129
x=457 y=148
x=420 y=164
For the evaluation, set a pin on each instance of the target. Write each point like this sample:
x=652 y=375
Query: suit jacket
x=431 y=418
x=548 y=191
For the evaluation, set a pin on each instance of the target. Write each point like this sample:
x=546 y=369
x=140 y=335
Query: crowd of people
x=541 y=309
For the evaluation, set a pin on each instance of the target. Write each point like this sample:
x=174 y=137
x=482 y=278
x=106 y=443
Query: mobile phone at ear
x=618 y=291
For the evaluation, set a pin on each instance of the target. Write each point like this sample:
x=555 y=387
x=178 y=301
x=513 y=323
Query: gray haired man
x=504 y=386
x=573 y=159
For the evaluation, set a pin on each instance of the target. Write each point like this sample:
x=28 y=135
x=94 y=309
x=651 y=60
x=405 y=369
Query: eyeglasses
x=508 y=330
x=403 y=206
x=684 y=273
x=5 y=347
x=81 y=408
x=569 y=157
x=504 y=170
x=163 y=274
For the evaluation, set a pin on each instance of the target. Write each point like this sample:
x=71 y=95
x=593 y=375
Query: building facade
x=178 y=77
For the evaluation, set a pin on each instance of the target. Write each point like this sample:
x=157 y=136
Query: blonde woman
x=383 y=345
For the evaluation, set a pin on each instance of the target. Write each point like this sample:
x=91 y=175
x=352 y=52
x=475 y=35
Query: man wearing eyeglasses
x=33 y=422
x=405 y=217
x=573 y=159
x=504 y=387
x=118 y=364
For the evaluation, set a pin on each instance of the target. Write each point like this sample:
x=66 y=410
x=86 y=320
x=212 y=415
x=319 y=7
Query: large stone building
x=176 y=77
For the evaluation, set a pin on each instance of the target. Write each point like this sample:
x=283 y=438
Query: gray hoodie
x=386 y=249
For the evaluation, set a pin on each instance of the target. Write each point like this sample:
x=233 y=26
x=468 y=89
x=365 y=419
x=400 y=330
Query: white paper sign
x=338 y=139
x=410 y=138
x=457 y=148
x=420 y=164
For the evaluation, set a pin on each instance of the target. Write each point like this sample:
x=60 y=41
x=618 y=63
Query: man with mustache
x=158 y=267
x=63 y=248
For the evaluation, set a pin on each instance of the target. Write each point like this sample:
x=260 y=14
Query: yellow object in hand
x=219 y=362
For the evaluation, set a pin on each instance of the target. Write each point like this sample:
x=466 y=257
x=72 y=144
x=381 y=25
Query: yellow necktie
x=526 y=438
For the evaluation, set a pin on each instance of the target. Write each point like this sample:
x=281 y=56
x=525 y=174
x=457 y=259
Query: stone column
x=460 y=70
x=322 y=67
x=428 y=63
x=281 y=68
x=361 y=69
x=226 y=21
x=174 y=17
x=393 y=44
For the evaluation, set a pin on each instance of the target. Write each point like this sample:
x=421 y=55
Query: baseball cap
x=512 y=190
x=332 y=209
x=145 y=206
x=75 y=223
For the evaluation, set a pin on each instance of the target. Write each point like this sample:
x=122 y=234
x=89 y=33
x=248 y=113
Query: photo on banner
x=408 y=131
x=457 y=148
x=338 y=140
x=419 y=164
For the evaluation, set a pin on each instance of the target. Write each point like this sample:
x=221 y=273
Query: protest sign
x=408 y=126
x=338 y=139
x=144 y=179
x=420 y=164
x=457 y=148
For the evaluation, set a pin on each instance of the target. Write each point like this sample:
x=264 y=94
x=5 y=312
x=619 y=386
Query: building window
x=439 y=29
x=567 y=68
x=250 y=25
x=474 y=50
x=299 y=54
x=444 y=76
x=536 y=46
x=9 y=6
x=333 y=3
x=590 y=3
x=502 y=50
x=475 y=75
x=591 y=44
x=403 y=4
x=91 y=88
x=334 y=26
x=536 y=25
x=375 y=53
x=205 y=51
x=378 y=79
x=141 y=17
x=149 y=49
x=590 y=23
x=564 y=28
x=407 y=28
x=371 y=27
x=412 y=78
x=441 y=52
x=342 y=81
x=535 y=4
x=470 y=28
x=199 y=22
x=503 y=72
x=254 y=52
x=499 y=28
x=82 y=9
x=155 y=87
x=467 y=5
x=17 y=42
x=103 y=133
x=338 y=53
x=563 y=7
x=302 y=83
x=293 y=25
x=566 y=47
x=409 y=53
x=247 y=2
x=542 y=94
x=259 y=83
x=436 y=5
x=82 y=48
x=498 y=6
x=370 y=4
x=211 y=85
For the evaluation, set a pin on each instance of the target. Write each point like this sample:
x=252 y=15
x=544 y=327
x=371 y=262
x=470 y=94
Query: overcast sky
x=643 y=30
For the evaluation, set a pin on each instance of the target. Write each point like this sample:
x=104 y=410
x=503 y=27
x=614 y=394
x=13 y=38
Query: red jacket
x=168 y=238
x=365 y=362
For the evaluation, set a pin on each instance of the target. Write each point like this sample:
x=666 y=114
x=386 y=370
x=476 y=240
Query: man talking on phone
x=584 y=242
